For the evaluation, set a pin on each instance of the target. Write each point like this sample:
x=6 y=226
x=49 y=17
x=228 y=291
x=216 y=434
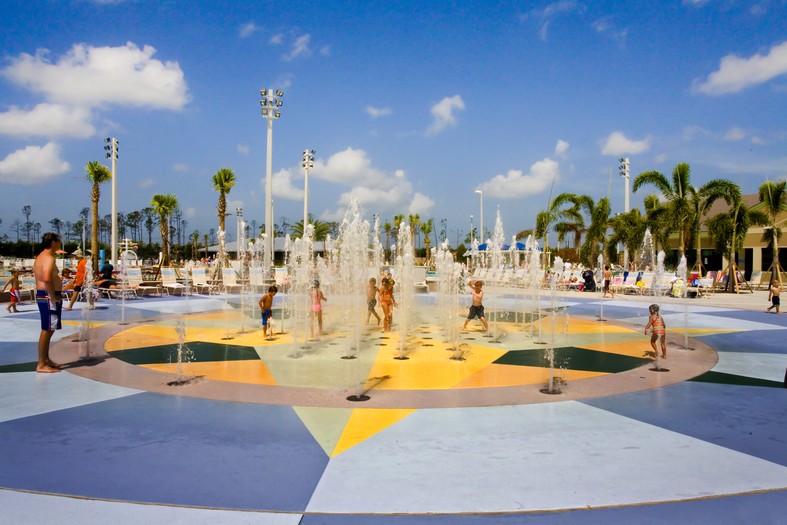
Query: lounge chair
x=169 y=282
x=199 y=279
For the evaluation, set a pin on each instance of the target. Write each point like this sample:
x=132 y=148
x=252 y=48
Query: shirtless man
x=48 y=298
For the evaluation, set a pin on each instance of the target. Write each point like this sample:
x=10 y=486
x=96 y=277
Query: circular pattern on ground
x=230 y=360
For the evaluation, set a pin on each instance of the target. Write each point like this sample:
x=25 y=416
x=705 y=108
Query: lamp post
x=111 y=149
x=308 y=162
x=238 y=221
x=624 y=170
x=481 y=217
x=271 y=101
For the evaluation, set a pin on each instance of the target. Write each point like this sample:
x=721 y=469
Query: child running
x=13 y=282
x=608 y=281
x=773 y=295
x=387 y=302
x=371 y=300
x=266 y=307
x=317 y=299
x=476 y=307
x=659 y=330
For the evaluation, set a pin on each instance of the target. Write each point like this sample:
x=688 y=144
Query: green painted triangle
x=201 y=352
x=732 y=379
x=574 y=358
x=325 y=424
x=19 y=367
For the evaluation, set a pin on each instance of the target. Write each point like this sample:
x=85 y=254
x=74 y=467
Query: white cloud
x=180 y=167
x=758 y=140
x=693 y=132
x=443 y=113
x=561 y=148
x=661 y=158
x=33 y=165
x=191 y=212
x=243 y=149
x=48 y=120
x=300 y=49
x=377 y=112
x=617 y=144
x=276 y=39
x=146 y=183
x=247 y=29
x=695 y=3
x=90 y=76
x=735 y=134
x=325 y=51
x=516 y=184
x=352 y=169
x=421 y=204
x=282 y=184
x=736 y=74
x=546 y=15
x=604 y=26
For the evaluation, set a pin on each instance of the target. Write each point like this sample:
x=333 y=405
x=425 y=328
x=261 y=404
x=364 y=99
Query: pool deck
x=96 y=443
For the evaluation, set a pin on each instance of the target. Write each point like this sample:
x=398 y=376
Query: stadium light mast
x=271 y=101
x=111 y=149
x=625 y=171
x=307 y=164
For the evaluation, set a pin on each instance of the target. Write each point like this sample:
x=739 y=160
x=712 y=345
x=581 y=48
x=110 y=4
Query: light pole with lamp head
x=481 y=217
x=271 y=101
x=111 y=148
x=308 y=163
x=624 y=170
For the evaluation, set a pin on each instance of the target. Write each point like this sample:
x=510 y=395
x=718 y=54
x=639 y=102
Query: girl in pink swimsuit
x=317 y=299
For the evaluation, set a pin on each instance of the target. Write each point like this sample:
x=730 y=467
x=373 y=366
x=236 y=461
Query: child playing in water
x=476 y=307
x=387 y=302
x=659 y=330
x=371 y=300
x=266 y=305
x=608 y=281
x=773 y=295
x=13 y=282
x=317 y=299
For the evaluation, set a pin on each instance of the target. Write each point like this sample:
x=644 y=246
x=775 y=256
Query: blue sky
x=411 y=106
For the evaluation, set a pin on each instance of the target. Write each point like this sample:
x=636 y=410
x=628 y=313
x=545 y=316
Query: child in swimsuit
x=773 y=295
x=371 y=300
x=317 y=299
x=13 y=282
x=476 y=306
x=387 y=302
x=266 y=305
x=659 y=332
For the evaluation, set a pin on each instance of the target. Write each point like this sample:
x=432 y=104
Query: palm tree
x=683 y=201
x=728 y=230
x=321 y=229
x=387 y=228
x=701 y=202
x=628 y=229
x=596 y=233
x=545 y=218
x=773 y=198
x=426 y=229
x=97 y=174
x=223 y=181
x=415 y=222
x=163 y=206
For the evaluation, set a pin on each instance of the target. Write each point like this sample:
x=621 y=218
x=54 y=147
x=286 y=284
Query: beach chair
x=199 y=280
x=135 y=282
x=229 y=280
x=170 y=284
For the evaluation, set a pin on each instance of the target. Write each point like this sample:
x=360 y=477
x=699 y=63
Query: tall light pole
x=624 y=170
x=271 y=101
x=481 y=217
x=111 y=148
x=238 y=221
x=308 y=163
